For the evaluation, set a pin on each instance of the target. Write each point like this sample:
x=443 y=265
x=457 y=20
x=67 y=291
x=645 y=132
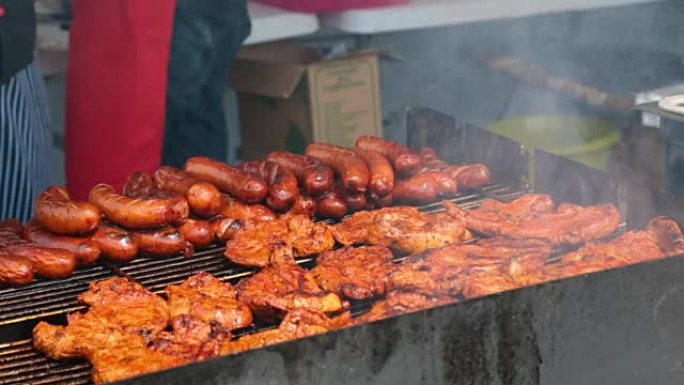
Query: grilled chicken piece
x=354 y=273
x=397 y=303
x=297 y=323
x=205 y=298
x=121 y=361
x=254 y=245
x=283 y=286
x=404 y=229
x=191 y=339
x=529 y=217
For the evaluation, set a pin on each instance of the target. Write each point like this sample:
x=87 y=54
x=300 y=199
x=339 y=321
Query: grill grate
x=20 y=363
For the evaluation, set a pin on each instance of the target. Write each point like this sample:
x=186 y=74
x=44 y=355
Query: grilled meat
x=404 y=229
x=297 y=323
x=122 y=360
x=205 y=298
x=397 y=303
x=254 y=245
x=284 y=286
x=355 y=273
x=533 y=217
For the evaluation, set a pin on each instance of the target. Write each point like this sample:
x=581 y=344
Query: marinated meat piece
x=191 y=339
x=404 y=229
x=207 y=299
x=669 y=235
x=122 y=361
x=397 y=303
x=529 y=217
x=284 y=286
x=478 y=281
x=297 y=324
x=355 y=273
x=254 y=245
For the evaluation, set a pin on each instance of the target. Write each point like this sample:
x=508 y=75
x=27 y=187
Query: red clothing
x=116 y=94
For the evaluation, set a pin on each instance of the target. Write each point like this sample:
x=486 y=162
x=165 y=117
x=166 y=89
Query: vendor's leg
x=25 y=143
x=206 y=37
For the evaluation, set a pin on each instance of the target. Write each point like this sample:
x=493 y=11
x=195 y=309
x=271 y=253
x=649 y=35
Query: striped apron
x=25 y=143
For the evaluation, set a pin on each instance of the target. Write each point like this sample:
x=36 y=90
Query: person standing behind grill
x=207 y=35
x=25 y=148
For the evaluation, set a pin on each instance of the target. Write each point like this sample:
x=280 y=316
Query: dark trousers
x=206 y=37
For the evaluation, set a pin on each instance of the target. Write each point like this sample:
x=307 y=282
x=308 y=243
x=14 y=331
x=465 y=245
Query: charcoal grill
x=617 y=326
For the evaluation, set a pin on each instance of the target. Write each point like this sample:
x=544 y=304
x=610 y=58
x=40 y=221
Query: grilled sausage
x=315 y=177
x=351 y=169
x=470 y=176
x=381 y=179
x=116 y=244
x=304 y=205
x=132 y=213
x=355 y=201
x=283 y=190
x=242 y=185
x=446 y=185
x=233 y=208
x=55 y=210
x=139 y=185
x=198 y=232
x=225 y=228
x=85 y=250
x=431 y=161
x=47 y=262
x=163 y=242
x=420 y=188
x=204 y=198
x=15 y=270
x=331 y=204
x=401 y=157
x=375 y=202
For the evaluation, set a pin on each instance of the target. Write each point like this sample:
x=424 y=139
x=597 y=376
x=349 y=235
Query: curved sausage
x=198 y=232
x=355 y=201
x=331 y=204
x=85 y=250
x=401 y=157
x=160 y=243
x=129 y=212
x=55 y=210
x=116 y=244
x=15 y=270
x=351 y=169
x=446 y=185
x=470 y=176
x=139 y=185
x=233 y=208
x=228 y=179
x=47 y=262
x=420 y=188
x=315 y=177
x=381 y=179
x=203 y=197
x=304 y=205
x=224 y=229
x=431 y=161
x=283 y=189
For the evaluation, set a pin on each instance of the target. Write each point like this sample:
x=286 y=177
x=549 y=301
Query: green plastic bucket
x=585 y=140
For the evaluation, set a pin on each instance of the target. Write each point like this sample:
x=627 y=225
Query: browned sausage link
x=198 y=232
x=203 y=197
x=401 y=157
x=225 y=228
x=15 y=270
x=304 y=205
x=131 y=213
x=331 y=204
x=228 y=179
x=86 y=251
x=470 y=176
x=420 y=188
x=139 y=185
x=283 y=189
x=233 y=208
x=117 y=245
x=381 y=181
x=375 y=202
x=47 y=262
x=163 y=242
x=431 y=161
x=58 y=213
x=351 y=169
x=180 y=210
x=315 y=177
x=355 y=201
x=445 y=184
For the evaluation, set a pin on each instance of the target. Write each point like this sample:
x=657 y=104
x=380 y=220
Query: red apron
x=116 y=94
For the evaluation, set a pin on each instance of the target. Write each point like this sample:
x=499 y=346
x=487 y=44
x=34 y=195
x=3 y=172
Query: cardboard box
x=289 y=96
